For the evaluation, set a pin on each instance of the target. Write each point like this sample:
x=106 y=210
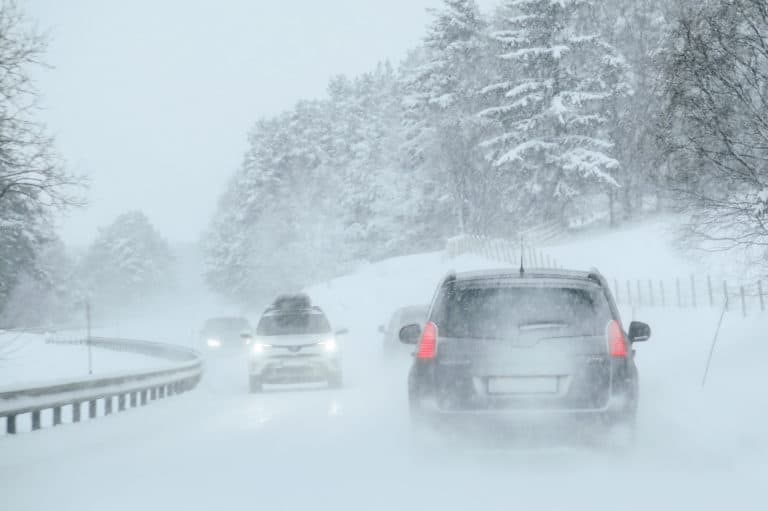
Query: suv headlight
x=329 y=345
x=259 y=348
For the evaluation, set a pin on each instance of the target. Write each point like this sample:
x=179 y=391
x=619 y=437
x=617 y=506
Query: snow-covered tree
x=717 y=124
x=127 y=261
x=441 y=96
x=34 y=185
x=558 y=77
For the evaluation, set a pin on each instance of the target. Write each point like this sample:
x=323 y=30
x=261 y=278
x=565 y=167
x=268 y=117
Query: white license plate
x=523 y=385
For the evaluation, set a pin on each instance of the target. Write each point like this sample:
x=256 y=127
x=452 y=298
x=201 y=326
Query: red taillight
x=617 y=344
x=428 y=342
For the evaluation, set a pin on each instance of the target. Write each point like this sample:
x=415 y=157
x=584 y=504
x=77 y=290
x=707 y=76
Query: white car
x=294 y=343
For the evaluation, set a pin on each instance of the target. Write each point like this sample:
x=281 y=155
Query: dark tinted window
x=293 y=323
x=501 y=312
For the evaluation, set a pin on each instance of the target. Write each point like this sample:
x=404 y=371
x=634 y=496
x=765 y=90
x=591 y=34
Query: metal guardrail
x=130 y=389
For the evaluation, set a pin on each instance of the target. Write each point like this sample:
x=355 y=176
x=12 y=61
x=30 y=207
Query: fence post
x=760 y=294
x=651 y=300
x=629 y=294
x=677 y=284
x=743 y=303
x=663 y=297
x=693 y=291
x=711 y=295
x=725 y=294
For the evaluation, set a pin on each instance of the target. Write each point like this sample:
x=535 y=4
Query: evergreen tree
x=127 y=261
x=557 y=78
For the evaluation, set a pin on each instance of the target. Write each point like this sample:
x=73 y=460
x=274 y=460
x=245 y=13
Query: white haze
x=153 y=100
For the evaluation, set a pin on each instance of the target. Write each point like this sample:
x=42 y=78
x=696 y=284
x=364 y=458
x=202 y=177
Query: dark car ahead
x=540 y=344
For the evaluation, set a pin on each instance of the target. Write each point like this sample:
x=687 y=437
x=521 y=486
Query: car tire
x=335 y=380
x=254 y=384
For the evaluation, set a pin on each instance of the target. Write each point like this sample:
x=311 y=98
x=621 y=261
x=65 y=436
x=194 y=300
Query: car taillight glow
x=428 y=342
x=617 y=344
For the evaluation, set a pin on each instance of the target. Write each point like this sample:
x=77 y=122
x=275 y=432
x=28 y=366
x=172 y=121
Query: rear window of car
x=293 y=323
x=477 y=312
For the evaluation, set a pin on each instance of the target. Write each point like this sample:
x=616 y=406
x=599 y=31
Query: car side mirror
x=410 y=334
x=382 y=330
x=341 y=331
x=639 y=332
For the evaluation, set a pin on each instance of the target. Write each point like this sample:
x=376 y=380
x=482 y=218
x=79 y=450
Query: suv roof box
x=289 y=302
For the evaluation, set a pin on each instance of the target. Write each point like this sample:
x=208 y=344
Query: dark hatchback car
x=541 y=344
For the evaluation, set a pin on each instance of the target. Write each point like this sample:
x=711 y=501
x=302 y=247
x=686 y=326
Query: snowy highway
x=222 y=448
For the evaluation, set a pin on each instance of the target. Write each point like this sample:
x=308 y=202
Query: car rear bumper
x=616 y=409
x=295 y=369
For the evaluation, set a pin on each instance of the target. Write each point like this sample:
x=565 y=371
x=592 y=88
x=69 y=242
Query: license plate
x=523 y=385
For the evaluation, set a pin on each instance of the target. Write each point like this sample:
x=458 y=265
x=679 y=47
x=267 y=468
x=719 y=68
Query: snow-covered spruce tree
x=717 y=125
x=441 y=97
x=127 y=261
x=558 y=78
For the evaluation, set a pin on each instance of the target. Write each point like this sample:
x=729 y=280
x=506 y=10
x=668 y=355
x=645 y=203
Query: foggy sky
x=154 y=99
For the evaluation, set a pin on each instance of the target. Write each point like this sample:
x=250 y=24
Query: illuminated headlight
x=259 y=348
x=329 y=345
x=214 y=343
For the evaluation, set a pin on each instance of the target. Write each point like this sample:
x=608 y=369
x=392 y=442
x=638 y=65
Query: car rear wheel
x=254 y=384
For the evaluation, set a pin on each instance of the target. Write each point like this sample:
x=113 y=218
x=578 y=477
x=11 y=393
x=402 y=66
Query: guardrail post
x=10 y=424
x=663 y=297
x=711 y=295
x=693 y=291
x=35 y=420
x=108 y=405
x=92 y=409
x=121 y=402
x=56 y=415
x=760 y=294
x=76 y=411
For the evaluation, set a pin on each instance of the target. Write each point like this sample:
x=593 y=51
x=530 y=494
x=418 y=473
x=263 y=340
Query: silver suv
x=294 y=343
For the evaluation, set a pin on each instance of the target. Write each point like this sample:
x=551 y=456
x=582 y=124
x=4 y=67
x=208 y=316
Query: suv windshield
x=293 y=323
x=503 y=312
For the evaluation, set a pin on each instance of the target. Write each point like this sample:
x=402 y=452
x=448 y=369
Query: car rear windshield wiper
x=541 y=325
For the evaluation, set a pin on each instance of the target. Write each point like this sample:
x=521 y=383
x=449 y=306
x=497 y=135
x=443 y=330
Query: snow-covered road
x=351 y=449
x=221 y=448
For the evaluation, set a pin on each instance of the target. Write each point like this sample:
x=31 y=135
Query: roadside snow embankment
x=26 y=360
